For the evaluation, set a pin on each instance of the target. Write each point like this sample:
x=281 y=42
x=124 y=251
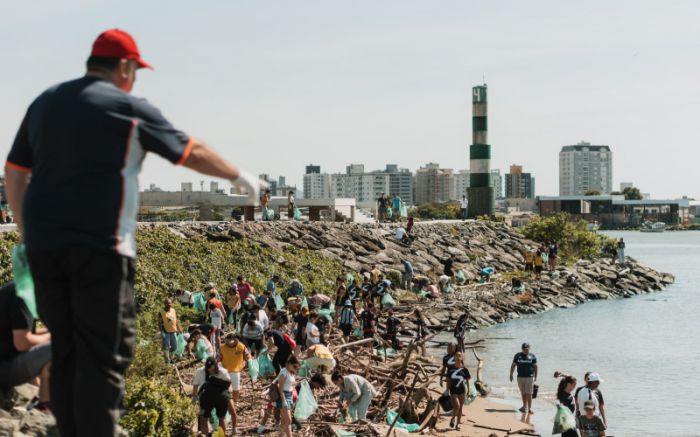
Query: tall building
x=497 y=183
x=461 y=183
x=434 y=184
x=481 y=198
x=317 y=185
x=356 y=184
x=519 y=185
x=585 y=167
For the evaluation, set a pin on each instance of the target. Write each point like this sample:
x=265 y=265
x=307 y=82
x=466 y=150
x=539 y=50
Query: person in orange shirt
x=234 y=356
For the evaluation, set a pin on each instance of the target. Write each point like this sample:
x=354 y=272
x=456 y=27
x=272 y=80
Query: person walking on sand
x=83 y=143
x=448 y=364
x=566 y=398
x=526 y=363
x=286 y=380
x=591 y=393
x=459 y=380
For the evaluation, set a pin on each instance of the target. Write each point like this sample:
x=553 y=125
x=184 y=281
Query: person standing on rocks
x=369 y=323
x=526 y=363
x=553 y=253
x=83 y=143
x=538 y=262
x=448 y=269
x=460 y=331
x=463 y=205
x=621 y=252
x=169 y=328
x=396 y=207
x=291 y=205
x=421 y=328
x=382 y=205
x=392 y=329
x=407 y=274
x=529 y=257
x=346 y=319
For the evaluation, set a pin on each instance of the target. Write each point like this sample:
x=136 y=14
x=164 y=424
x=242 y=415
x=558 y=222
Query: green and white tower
x=480 y=191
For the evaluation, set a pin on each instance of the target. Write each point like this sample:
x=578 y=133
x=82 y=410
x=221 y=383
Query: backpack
x=290 y=341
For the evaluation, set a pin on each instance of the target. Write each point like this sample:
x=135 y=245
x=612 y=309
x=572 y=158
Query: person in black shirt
x=284 y=350
x=392 y=329
x=421 y=328
x=83 y=142
x=449 y=266
x=300 y=321
x=566 y=398
x=24 y=355
x=459 y=380
x=526 y=364
x=448 y=363
x=369 y=324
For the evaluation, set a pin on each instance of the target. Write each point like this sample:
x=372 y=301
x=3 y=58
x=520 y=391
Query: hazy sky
x=276 y=85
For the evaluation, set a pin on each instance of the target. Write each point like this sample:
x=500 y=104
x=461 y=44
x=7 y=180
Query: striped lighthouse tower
x=480 y=191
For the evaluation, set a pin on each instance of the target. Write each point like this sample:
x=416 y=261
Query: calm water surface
x=646 y=349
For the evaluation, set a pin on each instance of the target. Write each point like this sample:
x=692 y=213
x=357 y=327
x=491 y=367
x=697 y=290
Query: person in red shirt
x=244 y=288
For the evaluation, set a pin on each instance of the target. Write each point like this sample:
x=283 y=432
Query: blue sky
x=275 y=85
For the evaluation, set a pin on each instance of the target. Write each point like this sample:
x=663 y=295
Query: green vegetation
x=438 y=211
x=630 y=193
x=574 y=239
x=167 y=262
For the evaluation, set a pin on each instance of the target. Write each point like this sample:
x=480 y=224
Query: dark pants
x=279 y=360
x=86 y=299
x=570 y=433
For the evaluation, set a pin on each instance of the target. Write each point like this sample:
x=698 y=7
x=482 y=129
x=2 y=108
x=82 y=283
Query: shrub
x=574 y=240
x=438 y=211
x=154 y=409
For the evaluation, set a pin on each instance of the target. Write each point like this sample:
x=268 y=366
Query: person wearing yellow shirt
x=529 y=260
x=234 y=356
x=538 y=261
x=375 y=273
x=233 y=304
x=169 y=328
x=319 y=358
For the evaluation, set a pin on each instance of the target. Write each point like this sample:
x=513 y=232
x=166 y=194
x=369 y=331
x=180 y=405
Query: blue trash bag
x=279 y=302
x=265 y=366
x=297 y=214
x=400 y=423
x=253 y=369
x=181 y=344
x=200 y=303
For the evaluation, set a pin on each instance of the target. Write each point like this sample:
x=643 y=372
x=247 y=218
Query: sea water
x=646 y=348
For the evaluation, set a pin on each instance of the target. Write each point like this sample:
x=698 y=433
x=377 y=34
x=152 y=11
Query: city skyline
x=391 y=81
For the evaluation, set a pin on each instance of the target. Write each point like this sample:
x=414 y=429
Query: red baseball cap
x=116 y=43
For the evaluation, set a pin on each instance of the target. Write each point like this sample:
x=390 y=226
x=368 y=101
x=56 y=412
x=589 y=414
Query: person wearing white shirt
x=402 y=235
x=463 y=205
x=313 y=335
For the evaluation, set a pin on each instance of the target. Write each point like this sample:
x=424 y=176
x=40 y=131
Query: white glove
x=249 y=184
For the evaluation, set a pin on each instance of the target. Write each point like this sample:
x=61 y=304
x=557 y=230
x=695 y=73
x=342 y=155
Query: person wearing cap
x=591 y=393
x=346 y=319
x=590 y=424
x=210 y=388
x=83 y=143
x=234 y=356
x=526 y=364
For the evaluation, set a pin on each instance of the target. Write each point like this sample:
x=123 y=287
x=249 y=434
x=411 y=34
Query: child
x=216 y=317
x=589 y=424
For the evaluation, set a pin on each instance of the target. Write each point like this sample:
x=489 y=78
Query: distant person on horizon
x=291 y=204
x=264 y=202
x=553 y=253
x=463 y=205
x=621 y=252
x=526 y=363
x=396 y=207
x=529 y=257
x=382 y=203
x=83 y=143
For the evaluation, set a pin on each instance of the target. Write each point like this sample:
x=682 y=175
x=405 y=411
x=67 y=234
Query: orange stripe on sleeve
x=186 y=153
x=18 y=167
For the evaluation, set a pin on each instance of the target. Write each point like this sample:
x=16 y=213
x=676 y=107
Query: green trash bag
x=181 y=344
x=461 y=278
x=279 y=302
x=214 y=420
x=253 y=369
x=472 y=393
x=297 y=214
x=200 y=303
x=357 y=332
x=564 y=420
x=304 y=303
x=304 y=370
x=388 y=301
x=269 y=214
x=389 y=352
x=265 y=366
x=202 y=351
x=389 y=213
x=349 y=278
x=306 y=403
x=400 y=423
x=24 y=283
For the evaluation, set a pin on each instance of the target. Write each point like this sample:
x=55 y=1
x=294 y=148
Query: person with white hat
x=591 y=393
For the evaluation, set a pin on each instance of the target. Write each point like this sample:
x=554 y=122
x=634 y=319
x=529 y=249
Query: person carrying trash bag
x=356 y=394
x=564 y=420
x=210 y=388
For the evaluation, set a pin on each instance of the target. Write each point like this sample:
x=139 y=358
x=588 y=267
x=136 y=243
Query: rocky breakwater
x=475 y=245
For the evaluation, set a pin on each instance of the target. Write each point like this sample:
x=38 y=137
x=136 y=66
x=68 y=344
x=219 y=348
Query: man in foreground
x=83 y=142
x=356 y=394
x=526 y=364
